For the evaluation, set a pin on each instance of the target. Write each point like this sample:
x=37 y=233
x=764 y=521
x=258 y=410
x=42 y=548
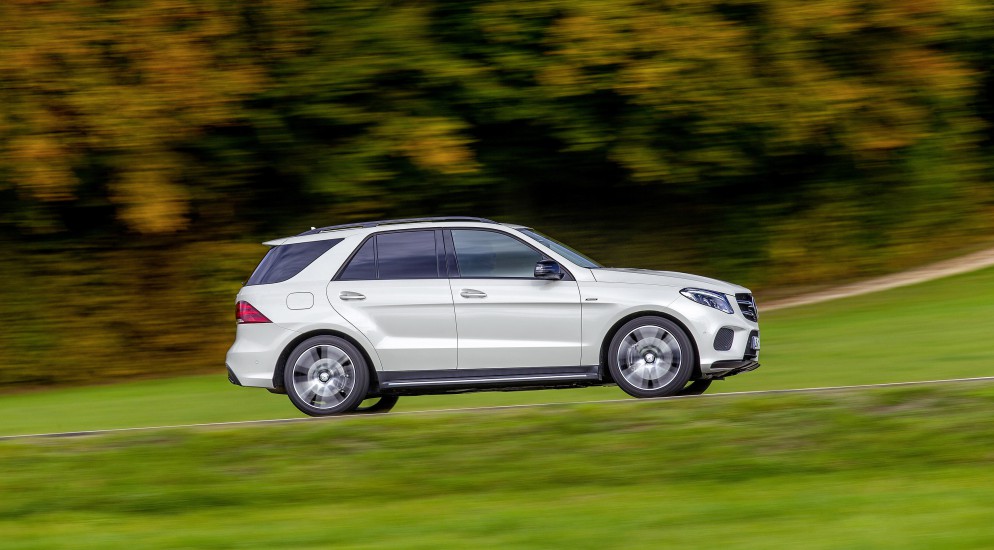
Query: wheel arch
x=285 y=354
x=609 y=335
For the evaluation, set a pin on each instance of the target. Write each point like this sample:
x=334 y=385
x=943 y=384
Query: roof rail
x=314 y=231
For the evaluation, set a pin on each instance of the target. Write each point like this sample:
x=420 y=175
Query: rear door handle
x=471 y=293
x=349 y=295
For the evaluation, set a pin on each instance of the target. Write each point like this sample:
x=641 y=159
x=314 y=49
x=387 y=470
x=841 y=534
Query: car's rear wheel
x=651 y=357
x=697 y=387
x=380 y=404
x=326 y=375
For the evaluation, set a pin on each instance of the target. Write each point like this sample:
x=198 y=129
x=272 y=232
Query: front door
x=506 y=318
x=394 y=291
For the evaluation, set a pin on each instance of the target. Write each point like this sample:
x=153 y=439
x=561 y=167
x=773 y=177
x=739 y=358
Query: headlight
x=708 y=298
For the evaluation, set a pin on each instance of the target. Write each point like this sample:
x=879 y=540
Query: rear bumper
x=252 y=359
x=232 y=378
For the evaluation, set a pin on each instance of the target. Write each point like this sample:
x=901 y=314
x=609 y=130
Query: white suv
x=341 y=314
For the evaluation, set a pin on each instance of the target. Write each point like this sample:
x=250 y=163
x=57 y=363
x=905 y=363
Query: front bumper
x=730 y=367
x=724 y=369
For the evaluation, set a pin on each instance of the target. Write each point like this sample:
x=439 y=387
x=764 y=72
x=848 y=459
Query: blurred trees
x=158 y=110
x=770 y=141
x=101 y=101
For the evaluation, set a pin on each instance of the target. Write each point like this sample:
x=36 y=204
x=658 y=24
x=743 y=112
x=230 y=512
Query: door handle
x=471 y=293
x=349 y=295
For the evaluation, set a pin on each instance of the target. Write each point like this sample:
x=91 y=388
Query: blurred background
x=147 y=147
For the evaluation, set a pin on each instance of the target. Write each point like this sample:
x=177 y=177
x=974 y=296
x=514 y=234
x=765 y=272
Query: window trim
x=455 y=257
x=451 y=267
x=376 y=259
x=441 y=256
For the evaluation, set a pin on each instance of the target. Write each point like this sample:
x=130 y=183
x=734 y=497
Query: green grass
x=884 y=468
x=897 y=468
x=940 y=329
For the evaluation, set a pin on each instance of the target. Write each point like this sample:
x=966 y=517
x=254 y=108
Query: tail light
x=246 y=313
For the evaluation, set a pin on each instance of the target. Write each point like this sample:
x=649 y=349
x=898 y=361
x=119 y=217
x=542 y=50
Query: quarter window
x=488 y=254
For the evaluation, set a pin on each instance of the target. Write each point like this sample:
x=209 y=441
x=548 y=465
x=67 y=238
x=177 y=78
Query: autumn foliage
x=770 y=141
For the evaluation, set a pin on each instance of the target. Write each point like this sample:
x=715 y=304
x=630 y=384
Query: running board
x=487 y=377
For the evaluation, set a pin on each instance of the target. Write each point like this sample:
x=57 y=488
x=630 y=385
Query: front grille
x=748 y=306
x=723 y=340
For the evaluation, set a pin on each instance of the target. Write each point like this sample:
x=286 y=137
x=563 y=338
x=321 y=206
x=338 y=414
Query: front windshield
x=560 y=248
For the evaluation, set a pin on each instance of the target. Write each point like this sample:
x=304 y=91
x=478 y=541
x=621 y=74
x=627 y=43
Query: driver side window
x=488 y=254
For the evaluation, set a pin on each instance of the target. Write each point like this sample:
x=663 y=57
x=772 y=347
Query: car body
x=335 y=315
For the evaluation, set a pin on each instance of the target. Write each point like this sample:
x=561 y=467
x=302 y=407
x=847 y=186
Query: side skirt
x=468 y=380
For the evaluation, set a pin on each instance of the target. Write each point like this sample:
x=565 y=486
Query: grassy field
x=939 y=329
x=894 y=468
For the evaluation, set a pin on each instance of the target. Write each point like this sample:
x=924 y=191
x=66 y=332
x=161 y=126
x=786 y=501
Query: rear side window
x=407 y=255
x=400 y=255
x=284 y=261
x=363 y=264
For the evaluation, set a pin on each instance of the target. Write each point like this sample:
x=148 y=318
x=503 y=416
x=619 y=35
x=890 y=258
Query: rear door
x=506 y=317
x=393 y=290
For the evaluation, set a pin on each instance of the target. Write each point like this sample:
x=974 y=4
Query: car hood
x=663 y=278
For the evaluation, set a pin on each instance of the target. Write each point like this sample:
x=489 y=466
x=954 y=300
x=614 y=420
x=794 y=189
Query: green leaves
x=316 y=108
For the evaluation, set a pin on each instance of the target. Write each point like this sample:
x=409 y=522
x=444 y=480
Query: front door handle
x=471 y=293
x=349 y=295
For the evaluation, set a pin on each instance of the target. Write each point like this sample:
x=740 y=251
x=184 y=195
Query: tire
x=326 y=375
x=651 y=357
x=381 y=405
x=696 y=387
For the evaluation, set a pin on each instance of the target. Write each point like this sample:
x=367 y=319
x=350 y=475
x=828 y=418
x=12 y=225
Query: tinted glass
x=490 y=254
x=362 y=266
x=571 y=255
x=283 y=262
x=407 y=255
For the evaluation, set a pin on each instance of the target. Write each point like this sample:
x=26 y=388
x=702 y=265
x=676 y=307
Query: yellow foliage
x=150 y=202
x=431 y=143
x=121 y=83
x=42 y=166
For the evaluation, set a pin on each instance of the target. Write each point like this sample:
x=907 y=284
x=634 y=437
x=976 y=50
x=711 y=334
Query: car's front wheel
x=326 y=375
x=651 y=357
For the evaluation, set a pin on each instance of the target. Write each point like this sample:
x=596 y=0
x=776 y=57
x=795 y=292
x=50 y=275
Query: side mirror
x=550 y=270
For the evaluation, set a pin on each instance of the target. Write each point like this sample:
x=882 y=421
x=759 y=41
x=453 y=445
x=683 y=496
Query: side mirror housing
x=549 y=270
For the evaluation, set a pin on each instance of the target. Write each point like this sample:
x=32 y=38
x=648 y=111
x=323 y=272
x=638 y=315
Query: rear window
x=283 y=262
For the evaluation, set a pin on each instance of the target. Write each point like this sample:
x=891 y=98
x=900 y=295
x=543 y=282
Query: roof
x=314 y=231
x=348 y=229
